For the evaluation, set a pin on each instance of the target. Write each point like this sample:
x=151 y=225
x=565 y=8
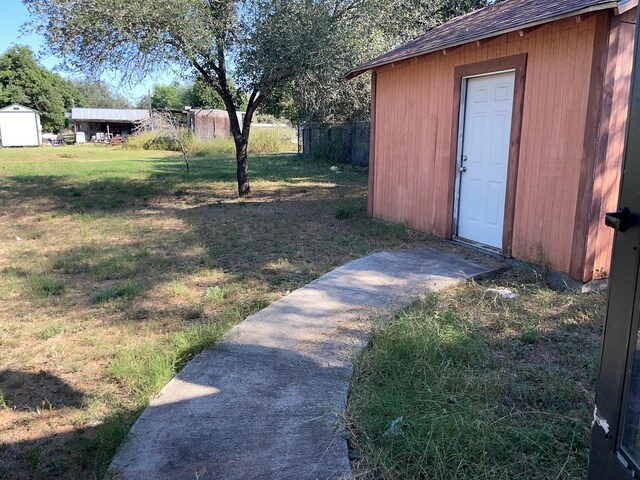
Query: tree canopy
x=24 y=81
x=257 y=44
x=370 y=28
x=176 y=96
x=296 y=50
x=96 y=94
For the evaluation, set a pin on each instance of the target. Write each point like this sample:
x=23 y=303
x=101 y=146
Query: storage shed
x=100 y=123
x=504 y=128
x=207 y=124
x=19 y=127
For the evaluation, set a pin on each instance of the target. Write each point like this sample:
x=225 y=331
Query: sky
x=14 y=14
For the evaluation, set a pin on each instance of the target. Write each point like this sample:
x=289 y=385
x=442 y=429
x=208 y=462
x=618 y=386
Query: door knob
x=463 y=169
x=619 y=221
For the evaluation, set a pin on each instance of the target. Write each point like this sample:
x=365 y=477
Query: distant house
x=101 y=123
x=504 y=128
x=207 y=124
x=19 y=127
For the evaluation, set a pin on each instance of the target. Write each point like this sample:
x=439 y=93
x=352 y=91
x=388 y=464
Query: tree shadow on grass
x=77 y=454
x=28 y=391
x=290 y=221
x=272 y=246
x=117 y=191
x=86 y=452
x=273 y=243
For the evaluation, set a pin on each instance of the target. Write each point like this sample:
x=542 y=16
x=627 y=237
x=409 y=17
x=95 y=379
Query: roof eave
x=106 y=120
x=21 y=106
x=360 y=70
x=625 y=5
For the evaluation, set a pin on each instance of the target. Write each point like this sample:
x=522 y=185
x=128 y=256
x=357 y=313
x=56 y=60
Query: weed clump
x=41 y=285
x=124 y=290
x=482 y=388
x=350 y=211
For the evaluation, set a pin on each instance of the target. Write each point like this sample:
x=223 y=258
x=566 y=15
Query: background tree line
x=23 y=80
x=179 y=95
x=286 y=57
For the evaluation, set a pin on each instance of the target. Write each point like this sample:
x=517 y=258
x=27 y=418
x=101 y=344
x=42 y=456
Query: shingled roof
x=503 y=17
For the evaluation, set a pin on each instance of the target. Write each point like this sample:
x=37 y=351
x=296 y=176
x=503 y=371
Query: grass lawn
x=116 y=267
x=468 y=385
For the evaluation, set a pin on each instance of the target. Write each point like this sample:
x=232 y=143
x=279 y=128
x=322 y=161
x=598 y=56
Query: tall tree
x=24 y=81
x=98 y=95
x=176 y=96
x=168 y=96
x=404 y=20
x=296 y=50
x=201 y=95
x=371 y=28
x=260 y=44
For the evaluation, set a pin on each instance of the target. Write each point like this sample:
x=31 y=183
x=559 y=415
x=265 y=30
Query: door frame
x=514 y=63
x=608 y=458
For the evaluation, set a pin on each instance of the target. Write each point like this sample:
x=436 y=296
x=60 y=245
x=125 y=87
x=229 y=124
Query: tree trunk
x=242 y=168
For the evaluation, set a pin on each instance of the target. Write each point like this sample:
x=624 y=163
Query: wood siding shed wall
x=414 y=105
x=613 y=127
x=209 y=124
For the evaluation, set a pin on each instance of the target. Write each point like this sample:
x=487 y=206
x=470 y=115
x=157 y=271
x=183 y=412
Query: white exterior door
x=486 y=135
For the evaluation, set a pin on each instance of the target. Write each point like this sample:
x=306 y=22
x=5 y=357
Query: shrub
x=335 y=150
x=272 y=140
x=261 y=141
x=153 y=141
x=213 y=148
x=349 y=211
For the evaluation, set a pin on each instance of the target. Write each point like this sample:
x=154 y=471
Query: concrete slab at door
x=485 y=150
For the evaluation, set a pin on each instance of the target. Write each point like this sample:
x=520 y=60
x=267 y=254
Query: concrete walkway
x=266 y=402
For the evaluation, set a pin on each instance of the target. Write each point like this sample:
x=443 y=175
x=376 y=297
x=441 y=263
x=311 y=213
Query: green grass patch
x=4 y=405
x=95 y=448
x=8 y=282
x=530 y=333
x=51 y=330
x=349 y=211
x=41 y=285
x=103 y=263
x=178 y=289
x=145 y=369
x=465 y=386
x=214 y=294
x=124 y=290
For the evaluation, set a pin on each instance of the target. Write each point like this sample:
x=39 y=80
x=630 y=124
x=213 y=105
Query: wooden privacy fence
x=346 y=142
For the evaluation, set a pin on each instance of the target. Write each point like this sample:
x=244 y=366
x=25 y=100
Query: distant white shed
x=19 y=127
